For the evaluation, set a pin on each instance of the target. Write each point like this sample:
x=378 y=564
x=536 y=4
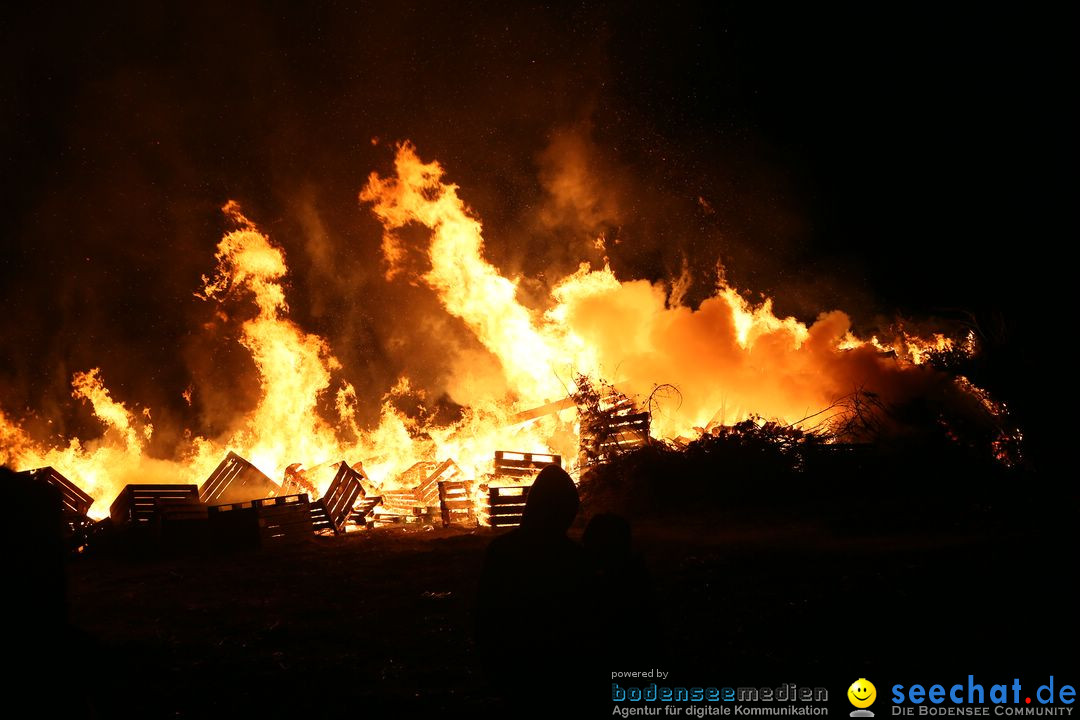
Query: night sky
x=907 y=162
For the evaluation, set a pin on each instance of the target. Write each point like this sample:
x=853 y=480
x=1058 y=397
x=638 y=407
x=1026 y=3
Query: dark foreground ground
x=378 y=623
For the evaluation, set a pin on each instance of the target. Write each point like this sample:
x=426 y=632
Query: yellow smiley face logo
x=862 y=693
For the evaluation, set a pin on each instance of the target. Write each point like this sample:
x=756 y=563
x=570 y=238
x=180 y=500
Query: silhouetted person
x=530 y=622
x=624 y=615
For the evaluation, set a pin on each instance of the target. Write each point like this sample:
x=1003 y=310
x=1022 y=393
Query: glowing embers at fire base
x=728 y=359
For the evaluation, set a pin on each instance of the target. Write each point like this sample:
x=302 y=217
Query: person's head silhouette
x=552 y=503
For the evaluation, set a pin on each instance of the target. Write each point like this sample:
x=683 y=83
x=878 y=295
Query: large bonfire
x=728 y=359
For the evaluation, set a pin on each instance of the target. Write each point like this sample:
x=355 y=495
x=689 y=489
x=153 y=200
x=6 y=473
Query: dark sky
x=908 y=161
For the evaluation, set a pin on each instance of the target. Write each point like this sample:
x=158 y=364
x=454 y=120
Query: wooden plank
x=400 y=495
x=638 y=422
x=320 y=520
x=232 y=507
x=508 y=493
x=549 y=409
x=299 y=498
x=506 y=510
x=524 y=464
x=516 y=473
x=538 y=459
x=456 y=496
x=500 y=500
x=626 y=444
x=634 y=419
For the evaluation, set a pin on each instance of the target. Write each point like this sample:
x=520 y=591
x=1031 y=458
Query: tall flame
x=727 y=357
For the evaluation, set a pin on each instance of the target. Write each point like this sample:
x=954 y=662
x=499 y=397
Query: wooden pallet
x=266 y=522
x=506 y=505
x=284 y=519
x=521 y=464
x=334 y=509
x=236 y=480
x=421 y=496
x=76 y=502
x=137 y=504
x=456 y=503
x=621 y=433
x=180 y=524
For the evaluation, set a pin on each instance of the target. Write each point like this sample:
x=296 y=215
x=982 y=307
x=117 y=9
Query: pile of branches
x=751 y=460
x=860 y=447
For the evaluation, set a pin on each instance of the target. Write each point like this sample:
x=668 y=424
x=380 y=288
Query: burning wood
x=615 y=434
x=364 y=512
x=428 y=490
x=418 y=503
x=400 y=502
x=455 y=500
x=611 y=422
x=506 y=505
x=722 y=353
x=236 y=480
x=334 y=509
x=550 y=408
x=296 y=481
